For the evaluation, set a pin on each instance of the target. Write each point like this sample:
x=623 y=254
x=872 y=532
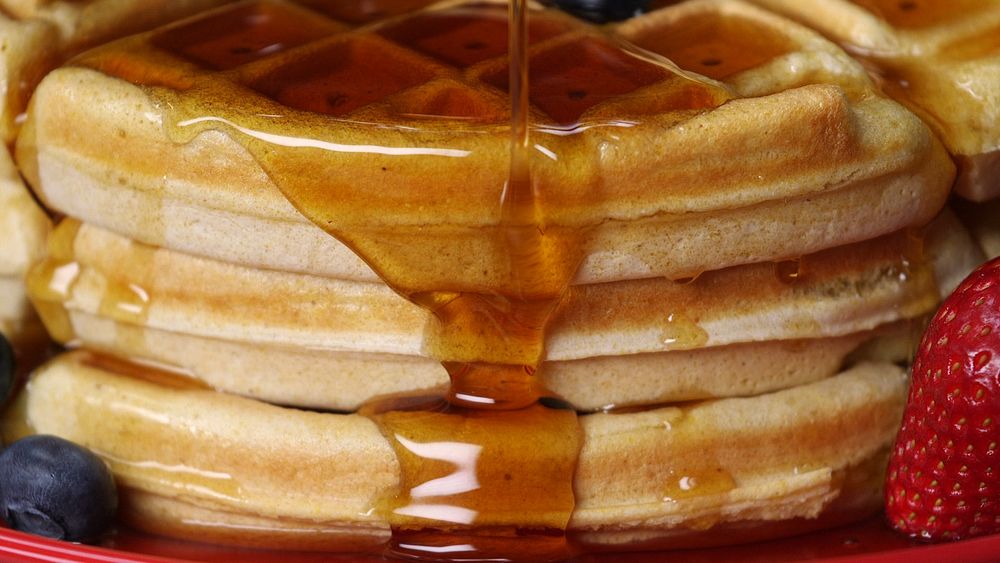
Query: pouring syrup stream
x=511 y=457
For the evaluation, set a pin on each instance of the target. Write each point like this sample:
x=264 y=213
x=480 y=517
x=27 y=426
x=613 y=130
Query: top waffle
x=940 y=58
x=397 y=131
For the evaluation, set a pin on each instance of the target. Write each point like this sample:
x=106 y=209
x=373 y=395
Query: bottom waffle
x=198 y=463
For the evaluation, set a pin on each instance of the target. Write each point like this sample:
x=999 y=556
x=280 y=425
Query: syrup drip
x=901 y=71
x=492 y=461
x=678 y=332
x=790 y=271
x=51 y=285
x=455 y=470
x=51 y=282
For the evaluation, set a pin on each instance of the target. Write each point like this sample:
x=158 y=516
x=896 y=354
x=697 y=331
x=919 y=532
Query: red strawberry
x=944 y=473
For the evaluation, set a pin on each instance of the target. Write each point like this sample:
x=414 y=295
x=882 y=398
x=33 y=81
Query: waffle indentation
x=235 y=37
x=341 y=78
x=920 y=13
x=569 y=79
x=451 y=101
x=465 y=36
x=364 y=12
x=716 y=45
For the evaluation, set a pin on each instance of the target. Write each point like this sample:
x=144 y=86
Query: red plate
x=869 y=541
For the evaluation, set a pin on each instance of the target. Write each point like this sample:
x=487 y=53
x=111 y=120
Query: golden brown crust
x=36 y=36
x=23 y=225
x=27 y=52
x=800 y=158
x=772 y=457
x=23 y=229
x=275 y=335
x=939 y=59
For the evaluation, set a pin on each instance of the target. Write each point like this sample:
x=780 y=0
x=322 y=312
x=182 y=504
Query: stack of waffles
x=755 y=231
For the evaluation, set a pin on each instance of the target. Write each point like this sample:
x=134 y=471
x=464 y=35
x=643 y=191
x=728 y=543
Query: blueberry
x=6 y=368
x=601 y=11
x=54 y=488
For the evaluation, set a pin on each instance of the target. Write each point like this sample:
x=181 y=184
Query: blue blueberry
x=602 y=11
x=54 y=488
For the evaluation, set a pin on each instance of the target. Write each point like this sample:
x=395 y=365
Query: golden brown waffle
x=755 y=52
x=35 y=36
x=395 y=131
x=85 y=23
x=281 y=478
x=23 y=229
x=942 y=59
x=786 y=167
x=27 y=51
x=758 y=327
x=23 y=225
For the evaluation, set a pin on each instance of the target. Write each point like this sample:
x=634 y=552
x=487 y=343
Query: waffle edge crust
x=285 y=477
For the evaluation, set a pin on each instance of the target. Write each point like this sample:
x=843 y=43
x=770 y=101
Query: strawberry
x=943 y=481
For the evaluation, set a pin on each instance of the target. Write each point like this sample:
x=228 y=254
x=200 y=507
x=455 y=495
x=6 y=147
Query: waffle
x=939 y=58
x=607 y=346
x=207 y=153
x=23 y=229
x=26 y=53
x=788 y=184
x=278 y=477
x=37 y=35
x=23 y=226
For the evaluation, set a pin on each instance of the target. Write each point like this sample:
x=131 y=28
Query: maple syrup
x=492 y=461
x=717 y=45
x=239 y=36
x=51 y=281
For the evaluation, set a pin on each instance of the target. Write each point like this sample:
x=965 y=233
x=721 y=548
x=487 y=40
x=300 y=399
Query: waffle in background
x=940 y=58
x=38 y=35
x=23 y=229
x=983 y=220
